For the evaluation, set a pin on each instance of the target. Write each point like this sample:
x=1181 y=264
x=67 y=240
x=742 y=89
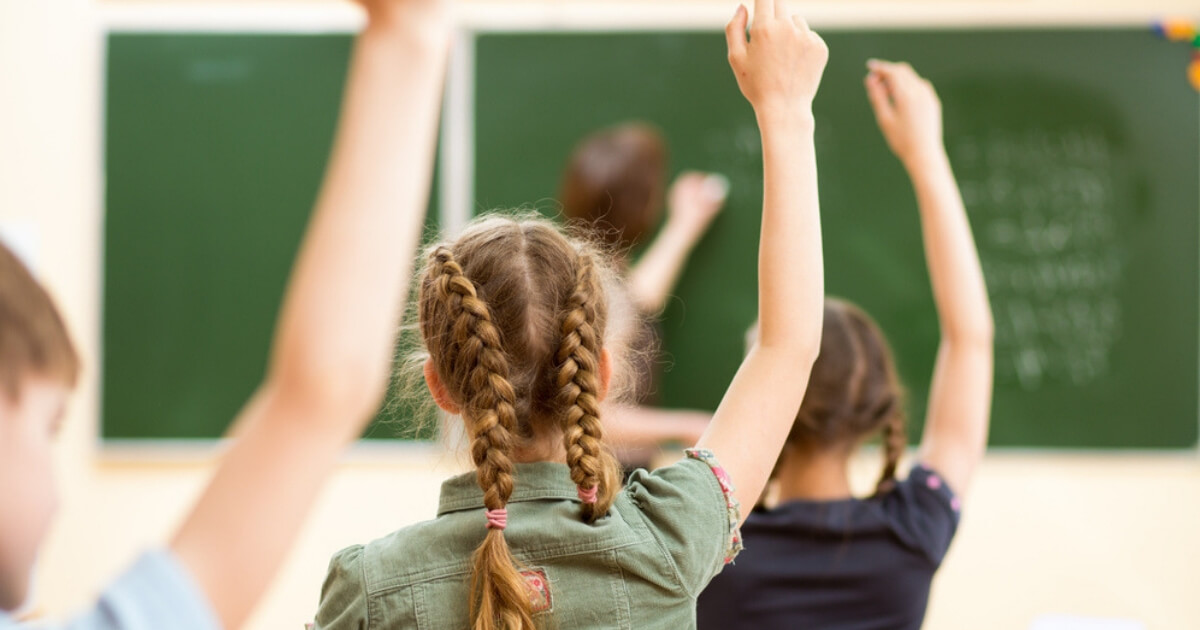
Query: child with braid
x=514 y=315
x=821 y=558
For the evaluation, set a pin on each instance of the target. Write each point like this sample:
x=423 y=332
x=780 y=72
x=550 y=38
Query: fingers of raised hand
x=735 y=33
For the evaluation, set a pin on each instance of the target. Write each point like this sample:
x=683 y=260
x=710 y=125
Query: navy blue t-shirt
x=853 y=564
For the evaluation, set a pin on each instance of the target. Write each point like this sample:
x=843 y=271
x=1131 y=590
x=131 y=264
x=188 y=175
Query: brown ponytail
x=593 y=468
x=501 y=600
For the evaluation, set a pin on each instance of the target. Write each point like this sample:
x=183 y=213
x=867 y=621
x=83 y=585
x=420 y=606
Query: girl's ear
x=606 y=369
x=437 y=388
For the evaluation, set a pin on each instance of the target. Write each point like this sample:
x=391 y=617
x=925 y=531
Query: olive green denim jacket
x=642 y=566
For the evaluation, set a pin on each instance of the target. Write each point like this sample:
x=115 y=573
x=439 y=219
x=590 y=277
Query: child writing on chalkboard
x=328 y=370
x=614 y=185
x=514 y=315
x=822 y=558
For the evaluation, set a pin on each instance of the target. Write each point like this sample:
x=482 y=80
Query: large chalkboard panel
x=1078 y=152
x=215 y=146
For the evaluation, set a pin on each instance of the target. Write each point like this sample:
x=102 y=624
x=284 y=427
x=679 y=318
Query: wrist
x=685 y=231
x=785 y=119
x=931 y=159
x=427 y=35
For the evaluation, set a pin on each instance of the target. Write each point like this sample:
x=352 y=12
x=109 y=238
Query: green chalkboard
x=214 y=149
x=1078 y=152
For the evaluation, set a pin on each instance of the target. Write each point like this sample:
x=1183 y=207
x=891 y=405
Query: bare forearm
x=959 y=412
x=758 y=410
x=343 y=306
x=960 y=394
x=791 y=289
x=246 y=520
x=655 y=275
x=954 y=269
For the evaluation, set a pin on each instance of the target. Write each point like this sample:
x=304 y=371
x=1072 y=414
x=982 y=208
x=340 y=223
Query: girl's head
x=853 y=392
x=513 y=315
x=615 y=181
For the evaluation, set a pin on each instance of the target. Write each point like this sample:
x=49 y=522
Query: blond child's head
x=514 y=316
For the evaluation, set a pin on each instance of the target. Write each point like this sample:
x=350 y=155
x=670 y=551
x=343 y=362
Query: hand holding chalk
x=717 y=186
x=694 y=200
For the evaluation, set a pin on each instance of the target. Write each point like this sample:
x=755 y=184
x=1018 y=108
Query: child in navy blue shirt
x=822 y=558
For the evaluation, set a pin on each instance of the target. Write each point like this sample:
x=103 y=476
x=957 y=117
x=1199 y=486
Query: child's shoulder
x=923 y=511
x=925 y=490
x=690 y=507
x=421 y=551
x=696 y=483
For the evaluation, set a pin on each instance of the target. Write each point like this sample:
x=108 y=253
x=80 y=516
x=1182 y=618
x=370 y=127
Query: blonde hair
x=513 y=315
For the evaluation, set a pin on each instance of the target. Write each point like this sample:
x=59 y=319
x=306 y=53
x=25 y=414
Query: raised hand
x=778 y=71
x=959 y=410
x=907 y=109
x=332 y=350
x=780 y=67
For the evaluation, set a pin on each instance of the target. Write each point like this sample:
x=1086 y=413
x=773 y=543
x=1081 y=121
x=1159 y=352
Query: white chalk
x=717 y=186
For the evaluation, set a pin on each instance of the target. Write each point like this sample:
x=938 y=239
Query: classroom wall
x=1087 y=533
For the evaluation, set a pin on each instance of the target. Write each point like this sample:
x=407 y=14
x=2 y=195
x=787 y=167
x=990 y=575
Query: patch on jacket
x=539 y=590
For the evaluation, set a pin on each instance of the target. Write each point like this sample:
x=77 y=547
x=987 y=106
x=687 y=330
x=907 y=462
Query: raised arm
x=694 y=201
x=778 y=71
x=910 y=116
x=332 y=348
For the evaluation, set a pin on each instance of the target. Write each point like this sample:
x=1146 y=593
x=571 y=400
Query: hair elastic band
x=497 y=519
x=588 y=495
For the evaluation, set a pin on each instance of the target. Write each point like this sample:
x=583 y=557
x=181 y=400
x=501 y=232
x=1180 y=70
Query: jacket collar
x=534 y=482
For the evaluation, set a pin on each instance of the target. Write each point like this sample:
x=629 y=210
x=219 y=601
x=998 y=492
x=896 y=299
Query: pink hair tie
x=497 y=519
x=588 y=495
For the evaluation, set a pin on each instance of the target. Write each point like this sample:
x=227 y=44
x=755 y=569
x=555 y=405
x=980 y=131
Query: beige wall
x=1086 y=534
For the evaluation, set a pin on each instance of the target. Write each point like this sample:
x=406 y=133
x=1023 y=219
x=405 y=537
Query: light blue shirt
x=156 y=593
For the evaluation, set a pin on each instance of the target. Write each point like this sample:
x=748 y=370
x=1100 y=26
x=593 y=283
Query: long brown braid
x=593 y=468
x=497 y=307
x=501 y=600
x=853 y=392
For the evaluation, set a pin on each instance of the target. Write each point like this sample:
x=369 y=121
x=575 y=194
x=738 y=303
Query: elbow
x=807 y=352
x=800 y=344
x=977 y=333
x=799 y=352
